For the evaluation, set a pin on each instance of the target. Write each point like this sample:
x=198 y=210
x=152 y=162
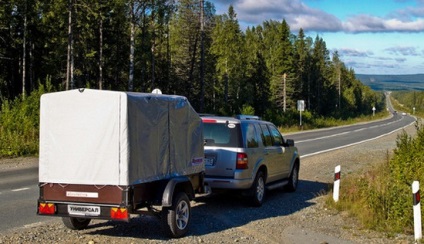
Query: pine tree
x=228 y=48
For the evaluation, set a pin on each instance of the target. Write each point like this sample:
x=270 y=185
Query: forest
x=411 y=102
x=181 y=47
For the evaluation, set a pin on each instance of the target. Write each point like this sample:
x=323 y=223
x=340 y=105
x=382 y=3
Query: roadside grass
x=405 y=108
x=381 y=197
x=322 y=122
x=363 y=194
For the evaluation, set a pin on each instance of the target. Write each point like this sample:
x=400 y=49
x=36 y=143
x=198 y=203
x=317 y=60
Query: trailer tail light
x=119 y=213
x=46 y=208
x=242 y=162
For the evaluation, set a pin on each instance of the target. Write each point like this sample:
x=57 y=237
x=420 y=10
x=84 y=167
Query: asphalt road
x=318 y=141
x=18 y=198
x=19 y=189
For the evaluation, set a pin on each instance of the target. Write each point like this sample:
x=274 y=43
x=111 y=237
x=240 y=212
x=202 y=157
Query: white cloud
x=404 y=51
x=349 y=52
x=367 y=23
x=299 y=15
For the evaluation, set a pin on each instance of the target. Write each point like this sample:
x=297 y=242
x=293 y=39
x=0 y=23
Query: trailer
x=109 y=155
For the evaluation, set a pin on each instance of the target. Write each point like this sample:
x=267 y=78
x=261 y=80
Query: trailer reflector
x=119 y=213
x=46 y=208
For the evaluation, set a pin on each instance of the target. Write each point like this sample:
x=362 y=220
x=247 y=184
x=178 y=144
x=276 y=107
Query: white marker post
x=336 y=188
x=417 y=210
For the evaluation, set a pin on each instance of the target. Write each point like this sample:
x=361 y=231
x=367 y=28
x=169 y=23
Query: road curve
x=319 y=141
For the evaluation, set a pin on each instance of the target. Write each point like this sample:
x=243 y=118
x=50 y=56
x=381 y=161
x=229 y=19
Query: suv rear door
x=222 y=142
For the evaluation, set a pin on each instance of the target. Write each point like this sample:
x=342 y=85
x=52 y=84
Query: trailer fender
x=182 y=184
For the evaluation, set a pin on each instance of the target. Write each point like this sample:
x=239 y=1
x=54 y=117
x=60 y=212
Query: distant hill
x=393 y=82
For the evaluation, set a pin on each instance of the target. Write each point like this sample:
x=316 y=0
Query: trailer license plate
x=81 y=210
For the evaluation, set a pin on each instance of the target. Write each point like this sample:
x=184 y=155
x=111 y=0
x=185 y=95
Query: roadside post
x=300 y=108
x=373 y=111
x=413 y=109
x=336 y=187
x=417 y=210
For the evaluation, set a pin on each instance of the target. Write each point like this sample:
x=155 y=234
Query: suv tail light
x=242 y=162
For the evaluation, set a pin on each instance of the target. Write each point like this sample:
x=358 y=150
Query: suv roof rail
x=247 y=117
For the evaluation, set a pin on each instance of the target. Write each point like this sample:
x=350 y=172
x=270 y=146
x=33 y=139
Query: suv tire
x=294 y=179
x=258 y=190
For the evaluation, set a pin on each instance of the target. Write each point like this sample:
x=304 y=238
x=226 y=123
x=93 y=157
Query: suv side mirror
x=290 y=143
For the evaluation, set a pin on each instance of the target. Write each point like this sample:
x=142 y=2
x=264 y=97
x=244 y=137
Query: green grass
x=381 y=197
x=322 y=122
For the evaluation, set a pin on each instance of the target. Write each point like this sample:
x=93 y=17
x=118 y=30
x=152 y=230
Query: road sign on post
x=301 y=108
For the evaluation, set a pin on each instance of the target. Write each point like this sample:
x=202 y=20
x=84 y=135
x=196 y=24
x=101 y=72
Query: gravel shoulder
x=299 y=217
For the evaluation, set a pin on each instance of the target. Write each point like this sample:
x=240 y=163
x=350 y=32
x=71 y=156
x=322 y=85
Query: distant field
x=393 y=82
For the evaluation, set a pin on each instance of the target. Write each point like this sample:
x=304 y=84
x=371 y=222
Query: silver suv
x=246 y=153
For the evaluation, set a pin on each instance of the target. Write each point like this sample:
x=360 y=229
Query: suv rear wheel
x=294 y=179
x=258 y=190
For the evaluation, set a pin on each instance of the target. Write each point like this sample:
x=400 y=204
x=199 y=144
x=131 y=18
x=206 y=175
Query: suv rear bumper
x=222 y=183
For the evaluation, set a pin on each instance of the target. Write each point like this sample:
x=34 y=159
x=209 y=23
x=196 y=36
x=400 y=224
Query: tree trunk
x=68 y=60
x=202 y=57
x=24 y=53
x=153 y=46
x=132 y=48
x=101 y=53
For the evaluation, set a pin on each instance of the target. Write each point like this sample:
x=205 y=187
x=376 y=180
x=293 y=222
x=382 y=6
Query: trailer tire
x=176 y=219
x=76 y=223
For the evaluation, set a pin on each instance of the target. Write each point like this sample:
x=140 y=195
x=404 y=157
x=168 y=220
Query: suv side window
x=266 y=136
x=251 y=138
x=276 y=136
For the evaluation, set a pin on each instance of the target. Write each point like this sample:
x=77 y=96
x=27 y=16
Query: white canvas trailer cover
x=98 y=137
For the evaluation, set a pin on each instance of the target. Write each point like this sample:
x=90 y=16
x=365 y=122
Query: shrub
x=247 y=110
x=382 y=198
x=19 y=124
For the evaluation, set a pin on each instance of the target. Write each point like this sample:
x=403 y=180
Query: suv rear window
x=222 y=134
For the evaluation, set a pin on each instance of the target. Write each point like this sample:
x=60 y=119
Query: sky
x=371 y=36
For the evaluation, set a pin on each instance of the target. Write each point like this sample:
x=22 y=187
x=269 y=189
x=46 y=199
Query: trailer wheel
x=176 y=219
x=75 y=223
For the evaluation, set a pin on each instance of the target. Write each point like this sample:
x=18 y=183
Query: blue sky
x=371 y=36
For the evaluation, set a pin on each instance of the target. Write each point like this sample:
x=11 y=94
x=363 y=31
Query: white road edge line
x=20 y=189
x=348 y=132
x=352 y=144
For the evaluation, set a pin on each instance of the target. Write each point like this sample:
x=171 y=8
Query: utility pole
x=339 y=88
